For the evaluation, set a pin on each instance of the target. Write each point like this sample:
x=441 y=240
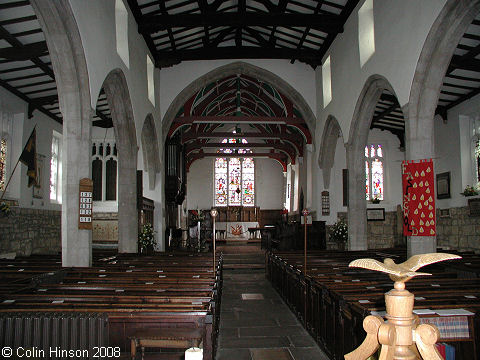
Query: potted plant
x=375 y=200
x=146 y=238
x=469 y=191
x=5 y=209
x=339 y=233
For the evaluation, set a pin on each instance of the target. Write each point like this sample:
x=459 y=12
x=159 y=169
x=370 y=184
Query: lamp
x=194 y=353
x=305 y=213
x=213 y=213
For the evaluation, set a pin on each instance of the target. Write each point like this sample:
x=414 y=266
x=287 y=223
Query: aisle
x=255 y=324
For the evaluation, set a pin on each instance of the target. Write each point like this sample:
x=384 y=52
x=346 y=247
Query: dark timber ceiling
x=462 y=80
x=180 y=30
x=388 y=115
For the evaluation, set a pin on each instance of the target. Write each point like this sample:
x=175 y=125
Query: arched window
x=374 y=172
x=56 y=169
x=104 y=171
x=3 y=163
x=234 y=177
x=476 y=160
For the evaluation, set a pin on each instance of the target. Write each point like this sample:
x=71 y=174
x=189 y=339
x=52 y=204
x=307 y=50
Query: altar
x=235 y=230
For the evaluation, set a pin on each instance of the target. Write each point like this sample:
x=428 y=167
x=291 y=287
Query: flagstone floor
x=255 y=324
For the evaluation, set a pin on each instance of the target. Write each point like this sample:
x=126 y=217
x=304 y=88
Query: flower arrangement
x=469 y=191
x=198 y=215
x=5 y=208
x=146 y=238
x=339 y=232
x=375 y=200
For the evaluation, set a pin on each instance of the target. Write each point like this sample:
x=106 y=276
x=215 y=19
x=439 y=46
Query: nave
x=258 y=305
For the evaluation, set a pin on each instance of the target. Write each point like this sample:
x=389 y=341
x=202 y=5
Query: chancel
x=191 y=179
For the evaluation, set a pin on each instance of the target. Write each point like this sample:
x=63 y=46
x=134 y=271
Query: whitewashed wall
x=174 y=79
x=401 y=28
x=336 y=185
x=96 y=23
x=393 y=178
x=268 y=188
x=393 y=171
x=453 y=148
x=18 y=188
x=269 y=184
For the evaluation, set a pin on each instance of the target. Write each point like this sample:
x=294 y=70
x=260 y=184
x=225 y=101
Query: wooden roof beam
x=190 y=135
x=281 y=158
x=4 y=34
x=169 y=58
x=327 y=23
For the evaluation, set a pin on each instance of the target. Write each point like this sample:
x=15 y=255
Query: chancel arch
x=118 y=97
x=377 y=107
x=245 y=118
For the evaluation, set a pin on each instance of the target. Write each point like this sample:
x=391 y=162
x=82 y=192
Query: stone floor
x=255 y=324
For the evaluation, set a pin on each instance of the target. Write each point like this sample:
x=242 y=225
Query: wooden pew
x=333 y=299
x=135 y=294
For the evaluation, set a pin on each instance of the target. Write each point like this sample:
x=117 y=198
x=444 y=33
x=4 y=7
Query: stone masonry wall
x=30 y=231
x=384 y=234
x=381 y=234
x=459 y=231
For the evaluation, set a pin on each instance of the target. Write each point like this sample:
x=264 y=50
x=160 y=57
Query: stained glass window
x=55 y=169
x=235 y=177
x=3 y=163
x=221 y=180
x=367 y=179
x=248 y=181
x=477 y=160
x=234 y=182
x=374 y=172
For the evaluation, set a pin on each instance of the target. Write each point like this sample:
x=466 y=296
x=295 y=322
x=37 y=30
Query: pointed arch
x=118 y=97
x=357 y=139
x=64 y=42
x=440 y=44
x=437 y=51
x=233 y=69
x=151 y=158
x=326 y=157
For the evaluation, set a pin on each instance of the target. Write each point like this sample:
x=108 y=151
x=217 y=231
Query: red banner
x=418 y=198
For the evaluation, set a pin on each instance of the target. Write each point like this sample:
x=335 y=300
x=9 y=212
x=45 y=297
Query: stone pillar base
x=421 y=245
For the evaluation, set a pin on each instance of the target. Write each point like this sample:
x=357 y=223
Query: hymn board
x=85 y=204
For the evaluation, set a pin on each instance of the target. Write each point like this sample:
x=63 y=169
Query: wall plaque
x=474 y=207
x=85 y=204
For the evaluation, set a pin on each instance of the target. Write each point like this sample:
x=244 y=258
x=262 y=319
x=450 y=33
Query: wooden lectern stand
x=401 y=337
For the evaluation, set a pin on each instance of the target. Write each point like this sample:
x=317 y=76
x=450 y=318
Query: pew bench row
x=133 y=297
x=332 y=300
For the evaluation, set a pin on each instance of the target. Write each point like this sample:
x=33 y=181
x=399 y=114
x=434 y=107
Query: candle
x=194 y=353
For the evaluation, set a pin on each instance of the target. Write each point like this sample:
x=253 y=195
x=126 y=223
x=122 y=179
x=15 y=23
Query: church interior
x=216 y=179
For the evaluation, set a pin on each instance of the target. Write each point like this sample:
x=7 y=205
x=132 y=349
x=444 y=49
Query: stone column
x=64 y=42
x=127 y=200
x=420 y=145
x=357 y=206
x=309 y=173
x=76 y=164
